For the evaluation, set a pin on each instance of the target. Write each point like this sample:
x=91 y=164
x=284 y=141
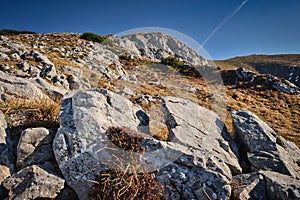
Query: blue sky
x=260 y=27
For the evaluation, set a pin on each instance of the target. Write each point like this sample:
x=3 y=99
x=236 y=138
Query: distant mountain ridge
x=285 y=66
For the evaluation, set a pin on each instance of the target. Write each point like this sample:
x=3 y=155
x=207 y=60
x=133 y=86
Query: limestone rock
x=182 y=182
x=5 y=67
x=76 y=83
x=35 y=147
x=72 y=71
x=120 y=44
x=274 y=82
x=19 y=87
x=3 y=126
x=100 y=55
x=61 y=80
x=48 y=72
x=199 y=128
x=261 y=147
x=249 y=186
x=78 y=144
x=245 y=74
x=49 y=90
x=33 y=182
x=81 y=146
x=40 y=58
x=282 y=85
x=265 y=185
x=16 y=56
x=187 y=173
x=6 y=164
x=280 y=186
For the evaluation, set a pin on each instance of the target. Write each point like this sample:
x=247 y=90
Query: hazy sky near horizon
x=259 y=27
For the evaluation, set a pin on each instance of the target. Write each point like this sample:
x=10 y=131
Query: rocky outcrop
x=280 y=186
x=82 y=148
x=265 y=185
x=282 y=86
x=261 y=147
x=275 y=162
x=16 y=87
x=158 y=46
x=244 y=74
x=33 y=182
x=26 y=180
x=274 y=82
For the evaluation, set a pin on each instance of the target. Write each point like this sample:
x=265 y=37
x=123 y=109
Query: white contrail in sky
x=224 y=21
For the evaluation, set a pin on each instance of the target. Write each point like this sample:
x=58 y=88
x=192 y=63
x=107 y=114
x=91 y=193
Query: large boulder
x=82 y=147
x=33 y=182
x=85 y=117
x=261 y=148
x=194 y=126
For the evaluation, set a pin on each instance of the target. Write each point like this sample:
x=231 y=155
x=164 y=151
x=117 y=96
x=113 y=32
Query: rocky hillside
x=141 y=116
x=285 y=66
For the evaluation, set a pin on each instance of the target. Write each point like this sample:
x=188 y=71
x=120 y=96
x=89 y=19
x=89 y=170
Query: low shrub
x=128 y=180
x=173 y=62
x=126 y=138
x=14 y=32
x=126 y=57
x=93 y=37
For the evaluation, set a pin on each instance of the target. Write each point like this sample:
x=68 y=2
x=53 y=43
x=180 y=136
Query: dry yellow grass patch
x=59 y=62
x=31 y=113
x=279 y=110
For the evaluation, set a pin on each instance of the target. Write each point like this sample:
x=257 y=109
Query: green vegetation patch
x=14 y=32
x=93 y=37
x=173 y=62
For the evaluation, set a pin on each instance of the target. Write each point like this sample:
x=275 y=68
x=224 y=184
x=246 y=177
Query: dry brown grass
x=120 y=184
x=128 y=63
x=251 y=62
x=31 y=113
x=106 y=84
x=127 y=180
x=279 y=110
x=10 y=63
x=154 y=90
x=162 y=134
x=59 y=62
